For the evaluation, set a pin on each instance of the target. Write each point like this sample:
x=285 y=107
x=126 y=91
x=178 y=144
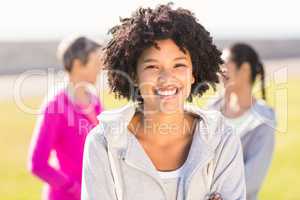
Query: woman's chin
x=165 y=104
x=169 y=106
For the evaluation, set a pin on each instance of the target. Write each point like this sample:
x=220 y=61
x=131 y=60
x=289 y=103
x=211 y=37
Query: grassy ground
x=16 y=128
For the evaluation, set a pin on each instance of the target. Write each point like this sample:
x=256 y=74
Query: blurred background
x=30 y=31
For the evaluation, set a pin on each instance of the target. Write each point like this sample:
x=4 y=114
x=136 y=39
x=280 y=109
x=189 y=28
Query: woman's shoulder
x=263 y=109
x=97 y=133
x=121 y=114
x=213 y=128
x=54 y=103
x=223 y=139
x=264 y=115
x=220 y=139
x=96 y=138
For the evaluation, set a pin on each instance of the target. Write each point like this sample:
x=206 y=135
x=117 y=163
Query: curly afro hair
x=142 y=30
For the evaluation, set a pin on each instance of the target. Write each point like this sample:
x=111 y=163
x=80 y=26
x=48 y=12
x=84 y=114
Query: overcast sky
x=55 y=19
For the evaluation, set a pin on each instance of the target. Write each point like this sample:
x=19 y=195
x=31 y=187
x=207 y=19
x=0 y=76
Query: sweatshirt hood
x=115 y=124
x=260 y=113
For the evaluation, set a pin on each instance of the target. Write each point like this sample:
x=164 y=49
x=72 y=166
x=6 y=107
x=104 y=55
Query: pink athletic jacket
x=62 y=129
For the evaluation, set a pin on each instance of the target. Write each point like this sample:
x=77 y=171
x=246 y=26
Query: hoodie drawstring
x=117 y=183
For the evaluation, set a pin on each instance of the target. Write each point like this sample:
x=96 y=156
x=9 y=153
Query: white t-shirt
x=171 y=180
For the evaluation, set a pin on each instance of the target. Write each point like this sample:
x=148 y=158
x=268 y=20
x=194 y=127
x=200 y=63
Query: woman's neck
x=236 y=102
x=161 y=128
x=79 y=92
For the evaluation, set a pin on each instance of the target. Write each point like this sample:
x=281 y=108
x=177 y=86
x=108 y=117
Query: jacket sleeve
x=97 y=182
x=45 y=136
x=258 y=156
x=228 y=177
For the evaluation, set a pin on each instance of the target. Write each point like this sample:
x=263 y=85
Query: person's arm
x=228 y=177
x=45 y=136
x=97 y=183
x=258 y=157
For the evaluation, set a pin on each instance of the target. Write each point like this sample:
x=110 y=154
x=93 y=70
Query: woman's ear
x=193 y=79
x=245 y=71
x=76 y=64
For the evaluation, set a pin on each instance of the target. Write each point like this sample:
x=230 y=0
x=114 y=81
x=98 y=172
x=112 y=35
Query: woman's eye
x=151 y=67
x=179 y=65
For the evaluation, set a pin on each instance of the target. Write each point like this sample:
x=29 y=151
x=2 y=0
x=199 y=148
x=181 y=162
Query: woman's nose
x=165 y=75
x=223 y=70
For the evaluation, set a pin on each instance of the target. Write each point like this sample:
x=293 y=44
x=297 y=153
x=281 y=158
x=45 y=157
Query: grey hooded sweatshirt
x=256 y=130
x=116 y=167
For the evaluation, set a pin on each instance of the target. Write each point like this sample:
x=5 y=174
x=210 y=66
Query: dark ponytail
x=242 y=53
x=261 y=71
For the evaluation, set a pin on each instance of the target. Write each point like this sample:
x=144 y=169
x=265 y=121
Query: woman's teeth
x=167 y=92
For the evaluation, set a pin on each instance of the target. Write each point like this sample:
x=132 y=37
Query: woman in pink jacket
x=66 y=120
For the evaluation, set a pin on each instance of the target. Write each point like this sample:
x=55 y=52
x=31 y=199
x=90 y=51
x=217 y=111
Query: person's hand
x=75 y=190
x=215 y=196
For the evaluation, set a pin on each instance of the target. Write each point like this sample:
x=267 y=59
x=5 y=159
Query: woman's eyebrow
x=149 y=60
x=180 y=58
x=154 y=60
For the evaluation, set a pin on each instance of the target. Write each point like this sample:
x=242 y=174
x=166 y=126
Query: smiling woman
x=165 y=75
x=158 y=147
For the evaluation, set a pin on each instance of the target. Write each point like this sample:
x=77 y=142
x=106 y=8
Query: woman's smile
x=167 y=92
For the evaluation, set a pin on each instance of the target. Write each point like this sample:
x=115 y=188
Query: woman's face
x=164 y=76
x=231 y=74
x=89 y=72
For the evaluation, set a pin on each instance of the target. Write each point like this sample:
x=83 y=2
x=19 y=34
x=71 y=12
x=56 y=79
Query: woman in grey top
x=250 y=118
x=158 y=147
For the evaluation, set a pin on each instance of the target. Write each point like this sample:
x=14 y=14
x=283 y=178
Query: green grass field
x=16 y=129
